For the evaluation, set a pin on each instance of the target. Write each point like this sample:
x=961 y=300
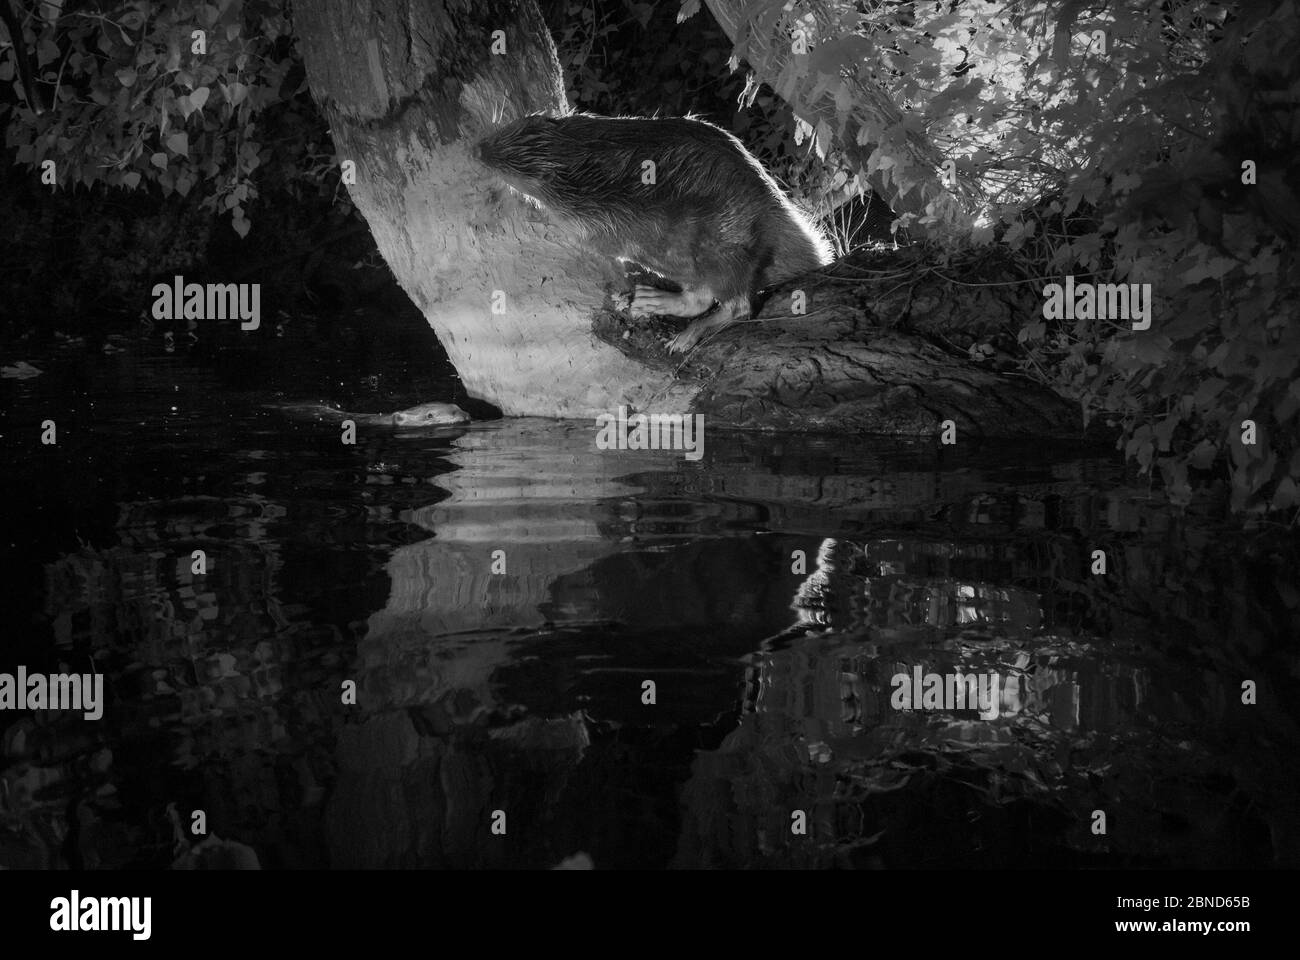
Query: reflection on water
x=501 y=594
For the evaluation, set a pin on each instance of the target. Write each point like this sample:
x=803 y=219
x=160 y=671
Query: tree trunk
x=410 y=87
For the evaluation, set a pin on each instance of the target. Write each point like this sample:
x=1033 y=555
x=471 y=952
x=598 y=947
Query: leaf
x=126 y=76
x=1285 y=495
x=1164 y=430
x=241 y=226
x=823 y=138
x=47 y=52
x=179 y=143
x=1203 y=455
x=198 y=97
x=1208 y=390
x=159 y=160
x=131 y=179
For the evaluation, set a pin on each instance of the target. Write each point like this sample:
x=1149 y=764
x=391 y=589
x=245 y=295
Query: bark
x=410 y=87
x=863 y=359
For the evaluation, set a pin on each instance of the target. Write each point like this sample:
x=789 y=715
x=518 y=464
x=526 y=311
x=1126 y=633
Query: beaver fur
x=713 y=222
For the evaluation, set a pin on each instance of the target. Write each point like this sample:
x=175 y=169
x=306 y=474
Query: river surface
x=499 y=646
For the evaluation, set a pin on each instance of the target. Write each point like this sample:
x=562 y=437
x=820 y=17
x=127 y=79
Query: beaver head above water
x=429 y=415
x=675 y=194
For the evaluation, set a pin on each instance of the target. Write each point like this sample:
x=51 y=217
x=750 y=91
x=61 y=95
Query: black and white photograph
x=698 y=437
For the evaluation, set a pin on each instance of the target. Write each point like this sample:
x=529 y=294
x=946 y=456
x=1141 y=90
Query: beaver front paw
x=652 y=302
x=689 y=302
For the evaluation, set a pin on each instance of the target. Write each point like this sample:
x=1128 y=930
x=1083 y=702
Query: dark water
x=522 y=692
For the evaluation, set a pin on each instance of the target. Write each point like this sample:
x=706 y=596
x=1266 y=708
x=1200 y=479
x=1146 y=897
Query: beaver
x=421 y=415
x=714 y=222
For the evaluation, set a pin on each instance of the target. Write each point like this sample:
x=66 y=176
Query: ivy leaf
x=131 y=179
x=159 y=160
x=179 y=143
x=127 y=76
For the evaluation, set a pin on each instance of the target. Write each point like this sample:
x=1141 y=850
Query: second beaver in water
x=713 y=220
x=421 y=415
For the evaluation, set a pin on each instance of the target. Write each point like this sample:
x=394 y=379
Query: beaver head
x=430 y=415
x=527 y=153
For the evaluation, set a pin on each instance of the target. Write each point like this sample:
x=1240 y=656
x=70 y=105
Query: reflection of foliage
x=1153 y=735
x=1085 y=728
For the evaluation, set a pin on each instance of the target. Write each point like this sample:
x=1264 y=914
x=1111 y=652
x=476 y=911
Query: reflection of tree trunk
x=409 y=86
x=412 y=795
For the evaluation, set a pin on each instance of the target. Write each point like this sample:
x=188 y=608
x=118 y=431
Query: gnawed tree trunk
x=409 y=87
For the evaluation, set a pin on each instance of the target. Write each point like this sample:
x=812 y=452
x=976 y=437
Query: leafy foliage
x=180 y=95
